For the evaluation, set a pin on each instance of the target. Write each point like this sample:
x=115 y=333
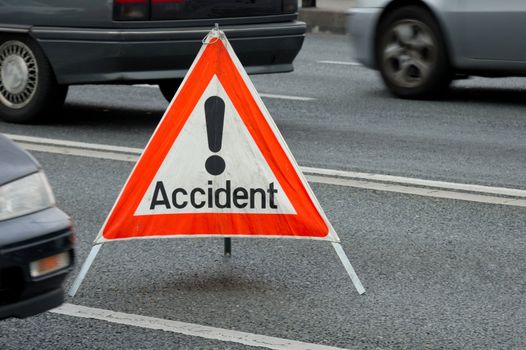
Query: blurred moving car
x=47 y=45
x=36 y=238
x=420 y=46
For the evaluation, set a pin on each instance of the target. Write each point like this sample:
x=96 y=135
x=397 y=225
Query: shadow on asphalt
x=207 y=283
x=486 y=95
x=87 y=114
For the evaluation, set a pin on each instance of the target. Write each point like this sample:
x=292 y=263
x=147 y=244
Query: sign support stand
x=348 y=267
x=84 y=270
x=228 y=252
x=228 y=247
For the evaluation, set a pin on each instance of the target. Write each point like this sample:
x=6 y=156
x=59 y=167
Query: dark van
x=47 y=45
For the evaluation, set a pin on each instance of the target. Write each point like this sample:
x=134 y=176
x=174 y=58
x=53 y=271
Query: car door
x=495 y=30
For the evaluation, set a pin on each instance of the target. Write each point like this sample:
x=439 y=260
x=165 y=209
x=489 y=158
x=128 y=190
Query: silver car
x=420 y=46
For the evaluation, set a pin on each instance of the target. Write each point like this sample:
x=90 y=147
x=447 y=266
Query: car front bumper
x=46 y=233
x=362 y=27
x=88 y=55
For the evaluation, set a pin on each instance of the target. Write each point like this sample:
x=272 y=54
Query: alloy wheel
x=18 y=74
x=409 y=53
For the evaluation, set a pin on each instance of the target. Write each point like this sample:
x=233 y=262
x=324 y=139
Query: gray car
x=36 y=237
x=420 y=46
x=47 y=45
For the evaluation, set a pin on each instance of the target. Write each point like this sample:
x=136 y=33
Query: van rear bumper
x=88 y=55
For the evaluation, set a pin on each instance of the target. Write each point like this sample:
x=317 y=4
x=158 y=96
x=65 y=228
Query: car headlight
x=24 y=196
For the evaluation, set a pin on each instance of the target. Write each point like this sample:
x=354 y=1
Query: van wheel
x=29 y=92
x=169 y=88
x=411 y=54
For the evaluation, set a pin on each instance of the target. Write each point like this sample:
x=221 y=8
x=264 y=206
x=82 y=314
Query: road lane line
x=190 y=329
x=379 y=182
x=343 y=63
x=279 y=97
x=69 y=151
x=502 y=191
x=73 y=144
x=419 y=191
x=287 y=97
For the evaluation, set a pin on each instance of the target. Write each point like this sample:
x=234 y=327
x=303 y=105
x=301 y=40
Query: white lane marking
x=419 y=191
x=279 y=97
x=190 y=329
x=127 y=157
x=74 y=144
x=343 y=63
x=380 y=182
x=287 y=97
x=501 y=191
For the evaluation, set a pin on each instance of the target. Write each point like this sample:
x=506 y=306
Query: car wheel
x=169 y=88
x=411 y=54
x=29 y=92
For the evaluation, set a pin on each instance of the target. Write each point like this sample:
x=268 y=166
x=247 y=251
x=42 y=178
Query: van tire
x=169 y=88
x=29 y=92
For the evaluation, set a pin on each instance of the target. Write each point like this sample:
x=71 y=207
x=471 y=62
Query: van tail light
x=168 y=1
x=131 y=10
x=290 y=6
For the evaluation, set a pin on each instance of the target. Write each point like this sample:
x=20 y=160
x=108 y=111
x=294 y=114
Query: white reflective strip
x=380 y=182
x=279 y=97
x=287 y=97
x=189 y=329
x=74 y=144
x=344 y=63
x=419 y=191
x=503 y=191
x=79 y=152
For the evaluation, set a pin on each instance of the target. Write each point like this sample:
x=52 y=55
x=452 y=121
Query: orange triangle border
x=217 y=58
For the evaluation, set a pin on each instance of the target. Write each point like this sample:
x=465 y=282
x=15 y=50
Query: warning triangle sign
x=216 y=165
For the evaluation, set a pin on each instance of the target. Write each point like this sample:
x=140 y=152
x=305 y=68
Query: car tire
x=29 y=92
x=411 y=54
x=169 y=88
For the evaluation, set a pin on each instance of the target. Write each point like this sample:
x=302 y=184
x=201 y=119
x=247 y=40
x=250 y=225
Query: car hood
x=14 y=161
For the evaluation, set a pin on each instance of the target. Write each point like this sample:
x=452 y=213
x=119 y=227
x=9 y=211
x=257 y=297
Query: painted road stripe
x=72 y=144
x=343 y=63
x=419 y=191
x=501 y=191
x=279 y=97
x=287 y=97
x=379 y=182
x=190 y=329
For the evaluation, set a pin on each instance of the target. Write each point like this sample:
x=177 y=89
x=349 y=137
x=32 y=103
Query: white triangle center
x=183 y=184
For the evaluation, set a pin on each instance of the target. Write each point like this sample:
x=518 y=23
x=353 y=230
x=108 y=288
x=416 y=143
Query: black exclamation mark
x=215 y=116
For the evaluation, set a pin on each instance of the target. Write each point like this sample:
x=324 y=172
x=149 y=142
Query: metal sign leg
x=84 y=270
x=350 y=270
x=228 y=246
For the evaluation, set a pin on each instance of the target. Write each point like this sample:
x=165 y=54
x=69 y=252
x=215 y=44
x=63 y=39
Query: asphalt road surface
x=440 y=273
